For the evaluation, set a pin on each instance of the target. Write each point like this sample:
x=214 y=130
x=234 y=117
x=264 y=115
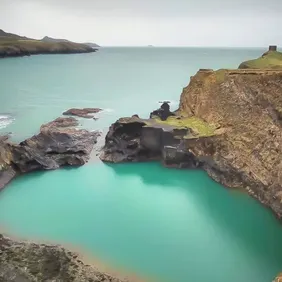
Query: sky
x=230 y=23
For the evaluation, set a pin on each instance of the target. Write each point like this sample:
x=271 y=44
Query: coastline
x=79 y=255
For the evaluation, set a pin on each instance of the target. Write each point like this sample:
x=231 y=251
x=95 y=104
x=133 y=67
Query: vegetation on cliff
x=269 y=60
x=198 y=126
x=12 y=45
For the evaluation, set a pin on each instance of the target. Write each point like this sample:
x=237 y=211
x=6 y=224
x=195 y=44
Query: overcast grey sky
x=144 y=22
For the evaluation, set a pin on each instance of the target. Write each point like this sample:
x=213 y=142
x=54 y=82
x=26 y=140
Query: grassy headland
x=269 y=60
x=12 y=45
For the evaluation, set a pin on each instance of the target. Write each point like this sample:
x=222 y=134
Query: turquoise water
x=175 y=225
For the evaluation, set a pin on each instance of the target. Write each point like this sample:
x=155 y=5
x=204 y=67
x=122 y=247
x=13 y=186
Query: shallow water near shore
x=173 y=225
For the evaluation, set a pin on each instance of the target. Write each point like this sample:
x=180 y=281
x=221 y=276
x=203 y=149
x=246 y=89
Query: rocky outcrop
x=233 y=120
x=134 y=139
x=123 y=142
x=30 y=262
x=84 y=113
x=58 y=144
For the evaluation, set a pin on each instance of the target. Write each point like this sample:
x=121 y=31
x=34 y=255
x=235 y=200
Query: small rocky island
x=58 y=144
x=13 y=45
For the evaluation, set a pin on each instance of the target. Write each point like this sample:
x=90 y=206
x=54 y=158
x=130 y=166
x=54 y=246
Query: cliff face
x=229 y=123
x=246 y=106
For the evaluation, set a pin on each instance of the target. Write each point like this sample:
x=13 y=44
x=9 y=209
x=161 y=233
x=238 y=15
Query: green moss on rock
x=269 y=60
x=198 y=126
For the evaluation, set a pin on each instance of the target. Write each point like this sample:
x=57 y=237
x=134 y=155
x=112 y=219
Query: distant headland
x=13 y=45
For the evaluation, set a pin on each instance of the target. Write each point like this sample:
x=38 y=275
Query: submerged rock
x=84 y=113
x=30 y=262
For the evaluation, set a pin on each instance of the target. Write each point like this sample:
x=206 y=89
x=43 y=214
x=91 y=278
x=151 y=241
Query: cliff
x=229 y=123
x=269 y=60
x=247 y=107
x=12 y=45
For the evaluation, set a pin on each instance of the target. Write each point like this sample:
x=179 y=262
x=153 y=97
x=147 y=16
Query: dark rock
x=57 y=144
x=134 y=140
x=163 y=112
x=123 y=141
x=175 y=156
x=84 y=113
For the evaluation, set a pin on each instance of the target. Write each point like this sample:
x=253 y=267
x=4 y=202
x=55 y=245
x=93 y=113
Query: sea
x=160 y=224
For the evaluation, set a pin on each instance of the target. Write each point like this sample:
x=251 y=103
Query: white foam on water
x=5 y=120
x=107 y=110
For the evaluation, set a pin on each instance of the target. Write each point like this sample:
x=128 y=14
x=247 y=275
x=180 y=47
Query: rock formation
x=30 y=262
x=58 y=144
x=229 y=123
x=84 y=113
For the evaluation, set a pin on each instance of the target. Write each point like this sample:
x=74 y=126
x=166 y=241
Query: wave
x=5 y=120
x=107 y=110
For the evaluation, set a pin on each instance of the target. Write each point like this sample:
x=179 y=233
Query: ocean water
x=172 y=225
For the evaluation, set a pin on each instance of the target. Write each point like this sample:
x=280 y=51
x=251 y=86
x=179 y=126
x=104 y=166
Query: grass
x=271 y=60
x=198 y=126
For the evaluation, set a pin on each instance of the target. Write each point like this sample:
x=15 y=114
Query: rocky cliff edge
x=229 y=123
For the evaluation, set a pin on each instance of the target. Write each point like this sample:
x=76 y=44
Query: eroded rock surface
x=30 y=262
